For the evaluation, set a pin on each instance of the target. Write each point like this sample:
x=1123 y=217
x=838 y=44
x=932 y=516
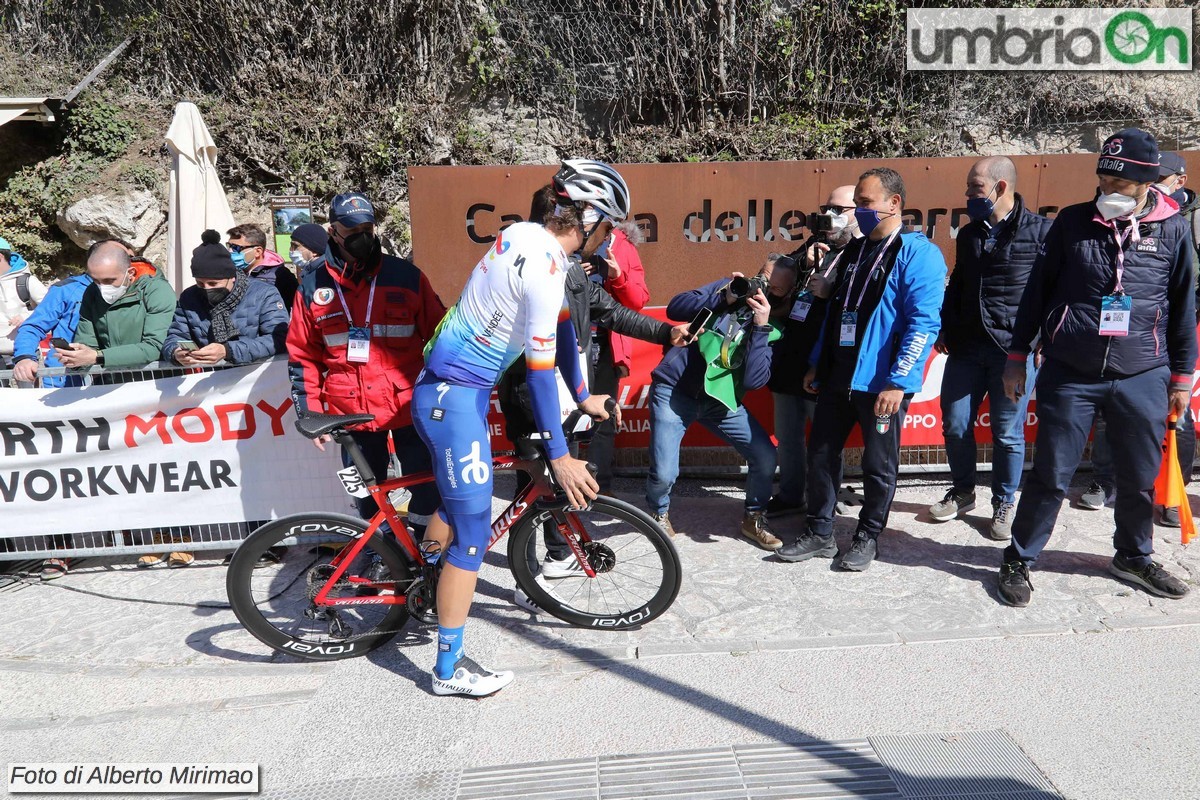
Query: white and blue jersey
x=513 y=303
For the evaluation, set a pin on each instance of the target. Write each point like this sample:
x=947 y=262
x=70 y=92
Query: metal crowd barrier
x=189 y=538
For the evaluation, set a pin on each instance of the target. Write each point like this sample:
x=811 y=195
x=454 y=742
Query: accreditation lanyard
x=1130 y=235
x=804 y=302
x=858 y=262
x=1116 y=309
x=358 y=343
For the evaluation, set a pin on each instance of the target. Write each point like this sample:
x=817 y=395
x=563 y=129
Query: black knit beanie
x=1131 y=154
x=211 y=259
x=312 y=236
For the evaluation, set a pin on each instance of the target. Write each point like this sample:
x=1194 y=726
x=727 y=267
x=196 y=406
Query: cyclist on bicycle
x=512 y=303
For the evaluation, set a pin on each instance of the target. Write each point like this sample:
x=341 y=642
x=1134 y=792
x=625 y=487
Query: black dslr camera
x=743 y=288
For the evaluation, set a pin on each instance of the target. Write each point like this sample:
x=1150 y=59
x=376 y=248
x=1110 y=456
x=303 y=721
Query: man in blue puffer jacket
x=1110 y=296
x=879 y=327
x=58 y=316
x=227 y=316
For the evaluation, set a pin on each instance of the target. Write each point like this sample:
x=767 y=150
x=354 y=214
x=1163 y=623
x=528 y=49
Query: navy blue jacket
x=684 y=367
x=989 y=286
x=1077 y=267
x=261 y=319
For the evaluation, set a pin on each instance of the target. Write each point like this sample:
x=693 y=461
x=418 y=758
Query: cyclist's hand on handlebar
x=576 y=480
x=321 y=440
x=600 y=407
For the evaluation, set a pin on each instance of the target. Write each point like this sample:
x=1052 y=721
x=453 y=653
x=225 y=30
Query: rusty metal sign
x=703 y=221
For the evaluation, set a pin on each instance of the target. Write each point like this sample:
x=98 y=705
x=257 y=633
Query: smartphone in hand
x=698 y=322
x=60 y=343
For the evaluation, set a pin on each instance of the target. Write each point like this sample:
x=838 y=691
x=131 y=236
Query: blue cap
x=351 y=209
x=1171 y=164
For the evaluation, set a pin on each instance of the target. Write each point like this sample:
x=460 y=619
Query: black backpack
x=23 y=291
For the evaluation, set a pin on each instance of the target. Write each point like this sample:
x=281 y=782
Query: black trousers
x=603 y=444
x=413 y=456
x=838 y=411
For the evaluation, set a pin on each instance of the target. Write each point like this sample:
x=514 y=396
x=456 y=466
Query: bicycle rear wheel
x=638 y=573
x=275 y=602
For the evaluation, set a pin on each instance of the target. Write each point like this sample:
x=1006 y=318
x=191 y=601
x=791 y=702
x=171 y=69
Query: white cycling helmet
x=586 y=181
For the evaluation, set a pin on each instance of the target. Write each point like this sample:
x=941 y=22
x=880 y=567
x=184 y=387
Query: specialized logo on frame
x=1098 y=39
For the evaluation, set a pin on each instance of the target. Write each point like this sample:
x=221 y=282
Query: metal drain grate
x=976 y=765
x=816 y=770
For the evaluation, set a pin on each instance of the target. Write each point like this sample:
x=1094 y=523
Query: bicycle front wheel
x=637 y=570
x=276 y=573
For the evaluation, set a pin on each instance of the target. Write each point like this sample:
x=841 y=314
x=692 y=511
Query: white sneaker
x=472 y=680
x=525 y=602
x=568 y=567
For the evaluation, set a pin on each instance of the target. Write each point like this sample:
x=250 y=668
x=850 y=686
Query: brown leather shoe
x=756 y=529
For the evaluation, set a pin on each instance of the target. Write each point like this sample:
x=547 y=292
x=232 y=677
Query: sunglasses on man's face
x=237 y=248
x=825 y=209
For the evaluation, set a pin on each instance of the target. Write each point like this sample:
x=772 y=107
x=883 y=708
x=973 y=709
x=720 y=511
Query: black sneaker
x=1152 y=577
x=809 y=546
x=860 y=555
x=1168 y=517
x=954 y=503
x=1015 y=588
x=1096 y=496
x=777 y=506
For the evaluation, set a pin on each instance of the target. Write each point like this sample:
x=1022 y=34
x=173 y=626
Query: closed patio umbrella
x=197 y=201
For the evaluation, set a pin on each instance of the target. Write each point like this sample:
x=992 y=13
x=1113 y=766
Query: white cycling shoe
x=471 y=680
x=525 y=602
x=566 y=568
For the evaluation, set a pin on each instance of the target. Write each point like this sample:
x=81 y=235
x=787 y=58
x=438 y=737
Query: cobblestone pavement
x=116 y=664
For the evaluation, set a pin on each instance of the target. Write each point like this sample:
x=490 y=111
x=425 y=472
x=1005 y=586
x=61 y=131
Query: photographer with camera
x=833 y=228
x=880 y=325
x=705 y=382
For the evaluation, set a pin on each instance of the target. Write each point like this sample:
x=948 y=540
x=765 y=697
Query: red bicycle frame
x=538 y=489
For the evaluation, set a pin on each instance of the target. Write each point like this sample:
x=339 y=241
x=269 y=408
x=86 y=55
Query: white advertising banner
x=188 y=450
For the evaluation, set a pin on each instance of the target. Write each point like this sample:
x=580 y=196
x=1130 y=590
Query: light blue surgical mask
x=239 y=260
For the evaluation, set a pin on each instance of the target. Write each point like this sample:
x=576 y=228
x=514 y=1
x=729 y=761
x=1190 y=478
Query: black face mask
x=362 y=247
x=777 y=303
x=215 y=296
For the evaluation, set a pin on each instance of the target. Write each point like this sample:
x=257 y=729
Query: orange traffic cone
x=1169 y=490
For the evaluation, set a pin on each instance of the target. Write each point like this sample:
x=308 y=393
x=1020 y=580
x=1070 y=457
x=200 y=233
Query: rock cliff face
x=134 y=216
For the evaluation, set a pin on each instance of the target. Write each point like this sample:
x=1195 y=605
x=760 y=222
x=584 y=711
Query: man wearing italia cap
x=1111 y=296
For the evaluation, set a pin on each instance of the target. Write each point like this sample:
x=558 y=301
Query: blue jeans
x=972 y=372
x=792 y=413
x=1067 y=401
x=672 y=413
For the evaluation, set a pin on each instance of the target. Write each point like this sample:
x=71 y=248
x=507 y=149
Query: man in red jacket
x=358 y=329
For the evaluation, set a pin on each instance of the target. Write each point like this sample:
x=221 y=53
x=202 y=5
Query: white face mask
x=840 y=221
x=1162 y=187
x=590 y=216
x=1113 y=206
x=112 y=294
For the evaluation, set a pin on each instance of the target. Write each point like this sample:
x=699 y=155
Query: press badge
x=849 y=324
x=1115 y=310
x=801 y=307
x=358 y=346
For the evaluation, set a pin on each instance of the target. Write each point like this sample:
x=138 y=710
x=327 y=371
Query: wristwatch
x=100 y=358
